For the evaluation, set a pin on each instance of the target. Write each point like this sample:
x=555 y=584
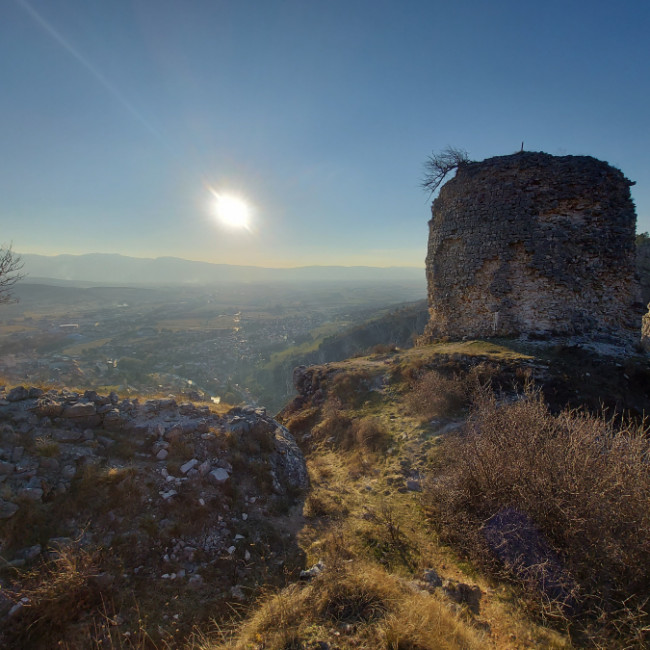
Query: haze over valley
x=157 y=326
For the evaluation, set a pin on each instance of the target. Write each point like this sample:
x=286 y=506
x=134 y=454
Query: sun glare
x=232 y=211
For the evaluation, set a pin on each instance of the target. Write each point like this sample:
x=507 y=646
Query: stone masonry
x=532 y=243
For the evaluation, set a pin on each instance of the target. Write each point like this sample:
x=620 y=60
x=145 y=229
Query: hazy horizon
x=202 y=261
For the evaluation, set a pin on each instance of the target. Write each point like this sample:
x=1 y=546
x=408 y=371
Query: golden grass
x=352 y=605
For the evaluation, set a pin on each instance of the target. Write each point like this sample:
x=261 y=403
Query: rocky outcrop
x=169 y=489
x=533 y=243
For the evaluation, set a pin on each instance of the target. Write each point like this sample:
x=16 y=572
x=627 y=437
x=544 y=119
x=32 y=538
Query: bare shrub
x=583 y=480
x=438 y=165
x=368 y=433
x=10 y=267
x=339 y=430
x=383 y=348
x=334 y=427
x=351 y=388
x=433 y=394
x=54 y=598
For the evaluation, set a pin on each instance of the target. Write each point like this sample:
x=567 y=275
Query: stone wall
x=533 y=243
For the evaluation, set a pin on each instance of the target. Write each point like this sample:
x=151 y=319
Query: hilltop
x=382 y=548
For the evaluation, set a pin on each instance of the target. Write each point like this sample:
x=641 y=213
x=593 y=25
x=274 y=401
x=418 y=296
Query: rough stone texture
x=533 y=243
x=645 y=332
x=643 y=269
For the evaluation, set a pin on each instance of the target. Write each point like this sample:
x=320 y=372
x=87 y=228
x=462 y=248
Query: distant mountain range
x=103 y=268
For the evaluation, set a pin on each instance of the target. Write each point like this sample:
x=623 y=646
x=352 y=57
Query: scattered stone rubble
x=173 y=488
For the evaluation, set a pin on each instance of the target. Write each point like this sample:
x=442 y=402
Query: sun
x=232 y=211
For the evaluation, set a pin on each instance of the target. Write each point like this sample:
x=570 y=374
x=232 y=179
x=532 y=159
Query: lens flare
x=232 y=211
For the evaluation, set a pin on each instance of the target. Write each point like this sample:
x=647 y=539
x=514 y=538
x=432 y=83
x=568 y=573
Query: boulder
x=190 y=464
x=7 y=509
x=79 y=410
x=219 y=475
x=17 y=394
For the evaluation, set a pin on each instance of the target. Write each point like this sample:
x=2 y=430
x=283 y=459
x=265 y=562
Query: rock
x=219 y=475
x=34 y=392
x=289 y=460
x=174 y=433
x=6 y=468
x=17 y=394
x=79 y=410
x=18 y=607
x=7 y=509
x=30 y=553
x=240 y=425
x=101 y=581
x=51 y=464
x=69 y=472
x=195 y=581
x=431 y=577
x=413 y=485
x=32 y=493
x=66 y=435
x=313 y=571
x=162 y=454
x=190 y=464
x=17 y=454
x=463 y=594
x=48 y=407
x=113 y=419
x=204 y=467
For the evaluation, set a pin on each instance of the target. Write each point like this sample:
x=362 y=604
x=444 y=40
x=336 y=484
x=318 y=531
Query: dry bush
x=333 y=427
x=368 y=433
x=383 y=348
x=433 y=394
x=59 y=595
x=583 y=480
x=351 y=388
x=339 y=430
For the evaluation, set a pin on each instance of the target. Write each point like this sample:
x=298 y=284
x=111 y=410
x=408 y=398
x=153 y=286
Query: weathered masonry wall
x=532 y=243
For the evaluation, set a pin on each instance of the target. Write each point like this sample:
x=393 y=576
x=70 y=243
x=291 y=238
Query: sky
x=123 y=122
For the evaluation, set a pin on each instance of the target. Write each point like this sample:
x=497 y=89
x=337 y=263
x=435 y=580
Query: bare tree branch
x=10 y=266
x=438 y=165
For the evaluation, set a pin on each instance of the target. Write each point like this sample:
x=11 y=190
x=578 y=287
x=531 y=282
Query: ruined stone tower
x=532 y=243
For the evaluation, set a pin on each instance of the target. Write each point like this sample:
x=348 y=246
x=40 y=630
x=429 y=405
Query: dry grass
x=351 y=605
x=342 y=430
x=582 y=480
x=58 y=596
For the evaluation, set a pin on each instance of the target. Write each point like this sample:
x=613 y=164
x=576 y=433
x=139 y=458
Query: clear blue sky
x=116 y=117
